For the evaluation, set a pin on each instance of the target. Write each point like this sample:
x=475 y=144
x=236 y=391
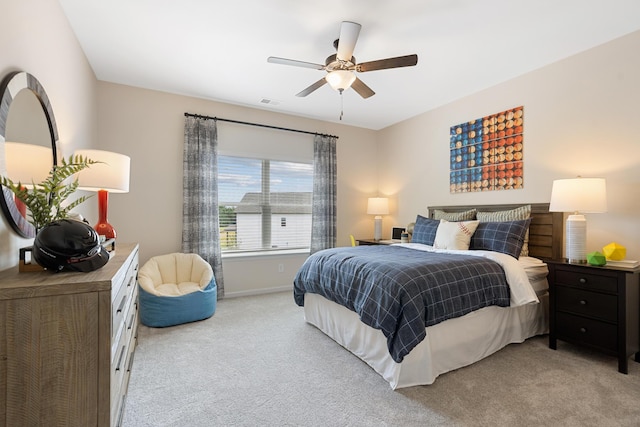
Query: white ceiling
x=218 y=50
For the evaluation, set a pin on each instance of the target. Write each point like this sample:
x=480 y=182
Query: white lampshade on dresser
x=110 y=176
x=579 y=196
x=28 y=164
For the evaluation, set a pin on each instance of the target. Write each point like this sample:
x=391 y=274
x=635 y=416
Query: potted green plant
x=45 y=200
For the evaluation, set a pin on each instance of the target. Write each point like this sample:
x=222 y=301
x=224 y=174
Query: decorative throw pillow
x=424 y=230
x=454 y=216
x=523 y=212
x=454 y=235
x=505 y=237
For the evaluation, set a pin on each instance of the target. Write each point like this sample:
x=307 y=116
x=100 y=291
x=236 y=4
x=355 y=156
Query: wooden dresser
x=67 y=342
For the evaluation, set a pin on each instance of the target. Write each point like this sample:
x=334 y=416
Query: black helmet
x=70 y=245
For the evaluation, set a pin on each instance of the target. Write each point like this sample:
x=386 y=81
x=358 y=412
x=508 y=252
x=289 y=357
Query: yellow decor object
x=615 y=251
x=596 y=258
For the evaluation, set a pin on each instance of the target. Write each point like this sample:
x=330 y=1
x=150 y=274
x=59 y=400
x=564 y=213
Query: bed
x=451 y=342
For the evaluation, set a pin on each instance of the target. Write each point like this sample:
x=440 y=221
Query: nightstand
x=365 y=242
x=596 y=307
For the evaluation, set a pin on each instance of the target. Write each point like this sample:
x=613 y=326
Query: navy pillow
x=425 y=230
x=506 y=237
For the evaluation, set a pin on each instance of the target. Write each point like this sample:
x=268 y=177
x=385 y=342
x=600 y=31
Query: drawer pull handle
x=133 y=317
x=120 y=358
x=121 y=306
x=131 y=359
x=583 y=330
x=583 y=302
x=582 y=280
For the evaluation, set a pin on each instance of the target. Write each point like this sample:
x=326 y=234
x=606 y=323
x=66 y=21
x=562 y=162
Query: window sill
x=250 y=254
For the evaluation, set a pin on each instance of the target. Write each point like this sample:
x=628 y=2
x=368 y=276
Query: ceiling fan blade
x=311 y=88
x=362 y=89
x=383 y=64
x=349 y=32
x=284 y=61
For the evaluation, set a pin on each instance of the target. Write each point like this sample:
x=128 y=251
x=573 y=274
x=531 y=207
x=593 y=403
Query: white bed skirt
x=448 y=346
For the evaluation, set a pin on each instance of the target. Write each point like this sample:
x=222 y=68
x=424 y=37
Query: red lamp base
x=103 y=227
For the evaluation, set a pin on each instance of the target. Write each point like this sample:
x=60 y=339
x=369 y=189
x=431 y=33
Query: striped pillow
x=454 y=216
x=523 y=212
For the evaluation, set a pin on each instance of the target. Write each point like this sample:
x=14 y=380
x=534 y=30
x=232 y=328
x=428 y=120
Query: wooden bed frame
x=545 y=232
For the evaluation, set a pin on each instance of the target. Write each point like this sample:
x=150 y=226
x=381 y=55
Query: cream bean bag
x=176 y=288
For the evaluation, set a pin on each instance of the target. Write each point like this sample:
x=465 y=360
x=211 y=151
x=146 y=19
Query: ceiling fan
x=340 y=67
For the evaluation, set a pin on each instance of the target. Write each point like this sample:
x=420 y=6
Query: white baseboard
x=258 y=292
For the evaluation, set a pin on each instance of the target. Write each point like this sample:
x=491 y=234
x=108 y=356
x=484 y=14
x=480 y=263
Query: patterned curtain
x=200 y=231
x=323 y=217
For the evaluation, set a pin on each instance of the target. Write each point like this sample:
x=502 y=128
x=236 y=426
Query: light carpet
x=257 y=363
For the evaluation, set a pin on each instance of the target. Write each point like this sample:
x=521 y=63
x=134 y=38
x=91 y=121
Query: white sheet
x=537 y=272
x=448 y=346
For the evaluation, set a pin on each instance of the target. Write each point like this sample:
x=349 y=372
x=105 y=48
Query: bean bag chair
x=176 y=288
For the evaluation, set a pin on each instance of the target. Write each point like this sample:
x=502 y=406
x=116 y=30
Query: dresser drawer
x=122 y=299
x=582 y=330
x=584 y=280
x=587 y=303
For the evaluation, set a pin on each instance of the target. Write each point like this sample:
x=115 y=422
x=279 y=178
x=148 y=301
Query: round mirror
x=26 y=117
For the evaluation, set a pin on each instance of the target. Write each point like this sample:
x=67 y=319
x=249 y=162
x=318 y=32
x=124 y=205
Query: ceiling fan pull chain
x=341 y=103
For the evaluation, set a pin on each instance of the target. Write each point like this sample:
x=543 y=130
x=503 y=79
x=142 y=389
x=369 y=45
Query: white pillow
x=454 y=235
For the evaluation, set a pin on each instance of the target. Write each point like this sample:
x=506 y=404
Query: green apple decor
x=45 y=199
x=596 y=258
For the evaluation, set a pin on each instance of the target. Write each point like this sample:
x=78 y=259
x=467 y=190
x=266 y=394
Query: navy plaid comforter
x=400 y=290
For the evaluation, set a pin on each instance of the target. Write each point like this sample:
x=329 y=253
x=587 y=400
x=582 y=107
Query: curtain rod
x=199 y=116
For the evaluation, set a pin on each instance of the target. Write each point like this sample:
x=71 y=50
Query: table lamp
x=378 y=206
x=578 y=195
x=110 y=176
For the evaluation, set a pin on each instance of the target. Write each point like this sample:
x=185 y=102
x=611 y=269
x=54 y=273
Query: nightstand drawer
x=591 y=332
x=587 y=303
x=587 y=281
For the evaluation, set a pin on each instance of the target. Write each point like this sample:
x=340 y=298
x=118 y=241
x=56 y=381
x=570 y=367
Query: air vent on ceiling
x=269 y=101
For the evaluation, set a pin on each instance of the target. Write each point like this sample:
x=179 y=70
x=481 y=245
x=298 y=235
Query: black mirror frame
x=10 y=87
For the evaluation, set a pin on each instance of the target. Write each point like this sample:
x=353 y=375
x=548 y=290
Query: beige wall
x=581 y=118
x=37 y=38
x=148 y=126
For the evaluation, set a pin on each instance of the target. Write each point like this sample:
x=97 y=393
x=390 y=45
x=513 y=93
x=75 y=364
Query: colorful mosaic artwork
x=486 y=154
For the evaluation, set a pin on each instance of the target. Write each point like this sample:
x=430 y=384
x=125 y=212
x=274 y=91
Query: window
x=264 y=204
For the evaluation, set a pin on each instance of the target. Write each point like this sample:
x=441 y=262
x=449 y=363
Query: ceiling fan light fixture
x=340 y=79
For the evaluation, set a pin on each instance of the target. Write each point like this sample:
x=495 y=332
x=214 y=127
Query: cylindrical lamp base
x=377 y=231
x=577 y=239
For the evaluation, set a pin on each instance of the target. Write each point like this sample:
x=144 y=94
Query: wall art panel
x=486 y=154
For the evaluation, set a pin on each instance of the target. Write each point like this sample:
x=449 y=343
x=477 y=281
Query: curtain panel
x=200 y=230
x=324 y=209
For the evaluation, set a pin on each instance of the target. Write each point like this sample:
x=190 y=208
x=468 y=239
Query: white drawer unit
x=67 y=342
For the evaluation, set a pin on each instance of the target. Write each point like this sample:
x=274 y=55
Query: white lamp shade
x=111 y=175
x=27 y=163
x=586 y=195
x=578 y=195
x=340 y=79
x=378 y=206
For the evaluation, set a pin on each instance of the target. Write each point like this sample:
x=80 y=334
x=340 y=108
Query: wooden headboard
x=545 y=231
